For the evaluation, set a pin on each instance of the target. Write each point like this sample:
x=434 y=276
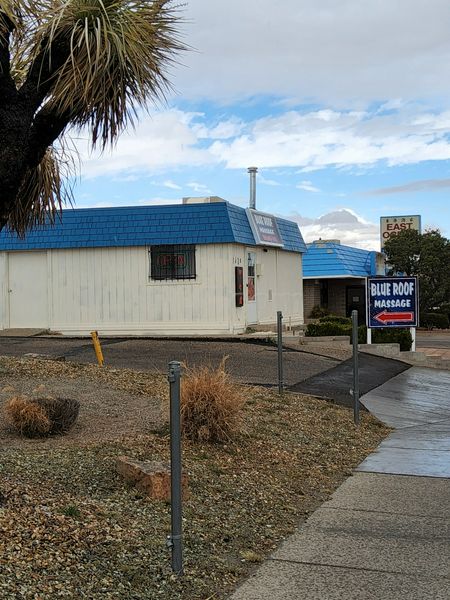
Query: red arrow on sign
x=385 y=317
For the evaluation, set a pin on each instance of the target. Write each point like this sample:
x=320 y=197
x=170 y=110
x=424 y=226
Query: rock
x=152 y=478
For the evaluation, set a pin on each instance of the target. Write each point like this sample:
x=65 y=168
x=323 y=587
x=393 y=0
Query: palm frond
x=44 y=191
x=117 y=59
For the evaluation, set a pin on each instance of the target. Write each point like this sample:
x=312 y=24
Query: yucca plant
x=65 y=64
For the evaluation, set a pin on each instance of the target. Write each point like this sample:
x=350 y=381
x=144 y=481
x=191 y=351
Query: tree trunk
x=14 y=134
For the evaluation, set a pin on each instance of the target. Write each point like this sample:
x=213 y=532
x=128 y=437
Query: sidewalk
x=385 y=534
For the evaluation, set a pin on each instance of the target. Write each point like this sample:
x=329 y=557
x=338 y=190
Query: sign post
x=174 y=541
x=355 y=390
x=392 y=302
x=280 y=351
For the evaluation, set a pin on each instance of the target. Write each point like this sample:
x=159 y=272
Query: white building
x=203 y=267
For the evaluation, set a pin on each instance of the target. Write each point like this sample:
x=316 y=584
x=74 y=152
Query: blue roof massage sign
x=209 y=223
x=392 y=302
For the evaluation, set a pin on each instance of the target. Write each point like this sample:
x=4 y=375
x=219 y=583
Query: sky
x=343 y=105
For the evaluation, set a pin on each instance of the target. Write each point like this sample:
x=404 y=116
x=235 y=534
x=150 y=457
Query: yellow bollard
x=97 y=347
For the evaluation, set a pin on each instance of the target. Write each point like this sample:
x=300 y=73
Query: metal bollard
x=280 y=351
x=97 y=348
x=174 y=540
x=355 y=390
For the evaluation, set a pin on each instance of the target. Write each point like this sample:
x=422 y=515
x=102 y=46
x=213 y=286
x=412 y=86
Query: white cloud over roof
x=332 y=51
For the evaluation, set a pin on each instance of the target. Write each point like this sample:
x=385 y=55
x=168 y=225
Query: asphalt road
x=433 y=339
x=248 y=362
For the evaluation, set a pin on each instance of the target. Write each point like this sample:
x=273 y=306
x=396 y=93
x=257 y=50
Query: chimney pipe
x=252 y=171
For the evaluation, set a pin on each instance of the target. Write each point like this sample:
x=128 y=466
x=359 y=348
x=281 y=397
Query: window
x=172 y=262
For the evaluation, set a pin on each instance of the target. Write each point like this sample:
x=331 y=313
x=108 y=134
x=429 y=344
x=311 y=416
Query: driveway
x=253 y=363
x=335 y=384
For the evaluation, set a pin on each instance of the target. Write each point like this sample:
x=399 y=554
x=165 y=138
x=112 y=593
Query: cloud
x=424 y=185
x=322 y=138
x=166 y=140
x=265 y=181
x=305 y=140
x=198 y=188
x=222 y=130
x=344 y=225
x=331 y=51
x=171 y=185
x=307 y=186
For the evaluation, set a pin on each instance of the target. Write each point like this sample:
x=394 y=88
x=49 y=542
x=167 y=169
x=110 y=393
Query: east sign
x=392 y=302
x=392 y=226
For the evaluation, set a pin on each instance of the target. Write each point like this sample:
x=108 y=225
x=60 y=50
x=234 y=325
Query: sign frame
x=383 y=317
x=402 y=219
x=261 y=236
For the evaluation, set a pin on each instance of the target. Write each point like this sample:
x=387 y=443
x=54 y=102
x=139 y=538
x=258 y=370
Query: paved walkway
x=417 y=404
x=381 y=536
x=436 y=352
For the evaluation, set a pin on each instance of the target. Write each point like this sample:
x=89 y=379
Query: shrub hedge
x=379 y=336
x=336 y=319
x=317 y=312
x=438 y=320
x=328 y=328
x=393 y=336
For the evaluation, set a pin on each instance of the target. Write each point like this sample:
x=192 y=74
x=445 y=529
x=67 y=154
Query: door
x=28 y=303
x=356 y=300
x=252 y=313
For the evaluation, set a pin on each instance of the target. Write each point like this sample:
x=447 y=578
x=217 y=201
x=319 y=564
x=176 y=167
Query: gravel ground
x=337 y=352
x=107 y=414
x=71 y=528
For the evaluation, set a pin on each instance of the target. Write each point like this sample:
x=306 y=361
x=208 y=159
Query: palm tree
x=83 y=64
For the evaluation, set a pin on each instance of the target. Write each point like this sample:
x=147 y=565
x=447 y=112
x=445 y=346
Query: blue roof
x=209 y=223
x=331 y=259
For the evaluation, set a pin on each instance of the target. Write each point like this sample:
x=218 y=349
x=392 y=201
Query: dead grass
x=28 y=418
x=70 y=527
x=40 y=417
x=211 y=404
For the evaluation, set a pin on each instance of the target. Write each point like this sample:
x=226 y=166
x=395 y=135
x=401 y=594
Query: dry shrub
x=211 y=404
x=62 y=412
x=39 y=417
x=27 y=417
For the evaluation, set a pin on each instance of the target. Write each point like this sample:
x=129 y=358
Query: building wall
x=279 y=286
x=311 y=295
x=108 y=289
x=4 y=300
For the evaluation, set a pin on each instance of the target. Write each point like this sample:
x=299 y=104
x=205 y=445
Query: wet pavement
x=417 y=404
x=335 y=384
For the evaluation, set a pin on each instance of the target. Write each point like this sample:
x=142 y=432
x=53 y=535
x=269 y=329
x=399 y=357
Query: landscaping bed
x=70 y=527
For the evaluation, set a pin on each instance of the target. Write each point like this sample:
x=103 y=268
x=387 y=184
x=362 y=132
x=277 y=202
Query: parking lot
x=249 y=362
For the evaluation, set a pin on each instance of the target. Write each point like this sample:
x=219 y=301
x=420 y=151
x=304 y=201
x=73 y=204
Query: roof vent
x=202 y=199
x=321 y=241
x=252 y=171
